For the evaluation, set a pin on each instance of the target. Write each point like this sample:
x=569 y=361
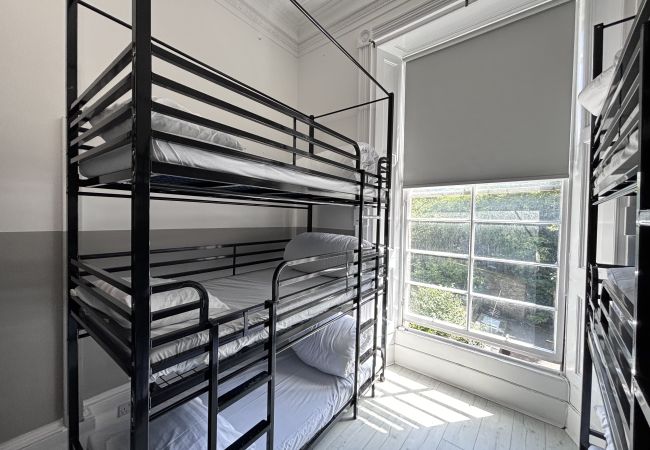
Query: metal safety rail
x=616 y=332
x=178 y=179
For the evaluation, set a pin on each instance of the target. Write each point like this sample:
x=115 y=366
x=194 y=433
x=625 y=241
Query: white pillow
x=593 y=96
x=159 y=301
x=185 y=427
x=313 y=244
x=172 y=125
x=331 y=349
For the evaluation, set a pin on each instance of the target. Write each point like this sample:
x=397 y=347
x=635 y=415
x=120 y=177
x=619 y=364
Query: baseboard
x=534 y=393
x=49 y=435
x=573 y=424
x=98 y=412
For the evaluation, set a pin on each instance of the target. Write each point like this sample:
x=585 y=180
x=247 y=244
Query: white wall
x=33 y=99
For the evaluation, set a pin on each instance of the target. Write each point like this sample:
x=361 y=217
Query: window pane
x=442 y=203
x=517 y=282
x=530 y=201
x=447 y=272
x=533 y=243
x=438 y=305
x=530 y=325
x=440 y=237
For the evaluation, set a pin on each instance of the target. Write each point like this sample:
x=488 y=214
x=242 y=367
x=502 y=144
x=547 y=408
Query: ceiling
x=288 y=26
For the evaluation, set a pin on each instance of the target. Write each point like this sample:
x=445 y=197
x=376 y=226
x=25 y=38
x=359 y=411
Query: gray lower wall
x=31 y=318
x=31 y=341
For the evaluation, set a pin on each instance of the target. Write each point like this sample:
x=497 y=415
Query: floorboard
x=411 y=411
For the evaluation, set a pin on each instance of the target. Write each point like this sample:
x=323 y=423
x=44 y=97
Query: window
x=482 y=264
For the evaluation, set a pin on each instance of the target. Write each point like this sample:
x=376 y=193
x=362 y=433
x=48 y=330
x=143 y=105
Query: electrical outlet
x=123 y=409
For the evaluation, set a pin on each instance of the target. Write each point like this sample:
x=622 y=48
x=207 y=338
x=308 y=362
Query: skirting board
x=98 y=411
x=534 y=393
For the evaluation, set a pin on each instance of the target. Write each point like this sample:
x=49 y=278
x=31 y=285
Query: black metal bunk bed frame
x=131 y=349
x=617 y=328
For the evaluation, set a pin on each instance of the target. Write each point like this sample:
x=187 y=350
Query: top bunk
x=614 y=98
x=249 y=147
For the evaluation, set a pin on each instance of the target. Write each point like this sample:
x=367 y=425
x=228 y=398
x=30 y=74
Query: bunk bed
x=617 y=328
x=222 y=342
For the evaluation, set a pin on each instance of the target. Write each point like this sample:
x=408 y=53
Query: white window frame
x=529 y=350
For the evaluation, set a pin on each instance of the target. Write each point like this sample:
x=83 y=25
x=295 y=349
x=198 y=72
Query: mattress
x=306 y=399
x=240 y=292
x=173 y=153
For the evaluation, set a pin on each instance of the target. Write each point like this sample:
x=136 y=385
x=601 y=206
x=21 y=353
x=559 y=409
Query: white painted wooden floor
x=411 y=411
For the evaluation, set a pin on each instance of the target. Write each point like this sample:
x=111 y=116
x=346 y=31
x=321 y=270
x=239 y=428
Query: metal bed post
x=642 y=310
x=140 y=223
x=357 y=336
x=376 y=281
x=72 y=237
x=213 y=396
x=389 y=168
x=592 y=223
x=310 y=208
x=270 y=399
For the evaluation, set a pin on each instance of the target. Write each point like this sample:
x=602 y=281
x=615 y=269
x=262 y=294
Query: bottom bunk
x=306 y=401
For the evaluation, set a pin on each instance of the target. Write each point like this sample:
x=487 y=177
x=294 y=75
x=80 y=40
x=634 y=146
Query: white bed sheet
x=239 y=292
x=305 y=400
x=169 y=152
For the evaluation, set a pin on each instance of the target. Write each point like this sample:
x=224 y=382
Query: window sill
x=545 y=380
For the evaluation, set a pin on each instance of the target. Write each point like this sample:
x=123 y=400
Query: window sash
x=508 y=343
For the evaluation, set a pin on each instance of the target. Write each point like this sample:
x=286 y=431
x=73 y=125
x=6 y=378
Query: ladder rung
x=367 y=325
x=242 y=390
x=247 y=439
x=366 y=356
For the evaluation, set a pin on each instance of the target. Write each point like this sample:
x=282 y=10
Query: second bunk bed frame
x=149 y=180
x=617 y=327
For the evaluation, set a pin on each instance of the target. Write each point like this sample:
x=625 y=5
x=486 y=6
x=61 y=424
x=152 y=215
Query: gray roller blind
x=494 y=107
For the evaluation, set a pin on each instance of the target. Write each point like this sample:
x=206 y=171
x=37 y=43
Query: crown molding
x=272 y=30
x=349 y=22
x=414 y=17
x=339 y=16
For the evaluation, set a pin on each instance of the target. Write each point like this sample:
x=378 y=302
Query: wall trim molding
x=536 y=393
x=264 y=25
x=52 y=432
x=98 y=411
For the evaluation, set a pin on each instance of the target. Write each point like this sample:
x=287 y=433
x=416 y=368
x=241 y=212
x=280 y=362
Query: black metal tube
x=272 y=353
x=331 y=113
x=387 y=228
x=140 y=224
x=213 y=396
x=375 y=328
x=357 y=337
x=337 y=44
x=592 y=224
x=72 y=237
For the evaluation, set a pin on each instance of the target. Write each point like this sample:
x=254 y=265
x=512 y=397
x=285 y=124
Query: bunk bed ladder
x=217 y=403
